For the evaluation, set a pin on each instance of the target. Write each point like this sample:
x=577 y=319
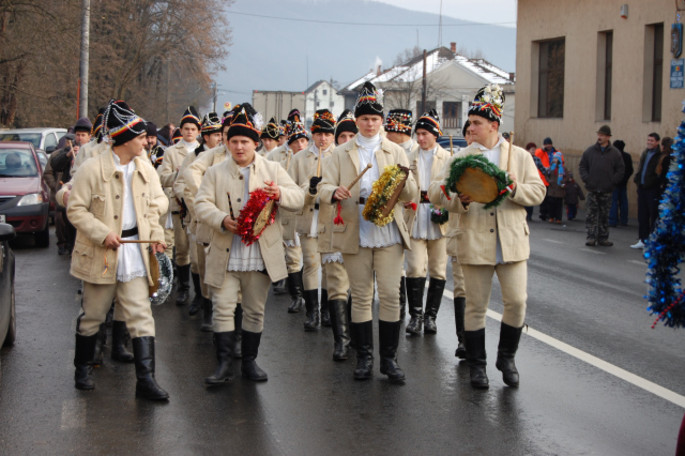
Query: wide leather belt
x=128 y=233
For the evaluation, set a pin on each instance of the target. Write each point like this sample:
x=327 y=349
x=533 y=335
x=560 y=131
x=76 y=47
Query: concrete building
x=322 y=95
x=581 y=64
x=276 y=103
x=451 y=82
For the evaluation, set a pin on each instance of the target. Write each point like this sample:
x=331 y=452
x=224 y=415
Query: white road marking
x=554 y=241
x=609 y=368
x=73 y=414
x=638 y=262
x=595 y=251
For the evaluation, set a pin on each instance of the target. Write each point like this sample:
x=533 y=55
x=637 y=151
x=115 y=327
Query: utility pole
x=423 y=91
x=83 y=65
x=214 y=97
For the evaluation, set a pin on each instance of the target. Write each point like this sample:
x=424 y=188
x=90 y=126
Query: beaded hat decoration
x=176 y=136
x=369 y=101
x=245 y=122
x=270 y=130
x=97 y=131
x=488 y=103
x=122 y=123
x=429 y=122
x=324 y=122
x=345 y=123
x=296 y=130
x=191 y=116
x=210 y=123
x=399 y=121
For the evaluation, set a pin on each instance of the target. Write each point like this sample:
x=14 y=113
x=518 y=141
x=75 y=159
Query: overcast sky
x=490 y=11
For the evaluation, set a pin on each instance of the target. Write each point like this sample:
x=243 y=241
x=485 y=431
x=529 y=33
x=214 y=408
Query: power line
x=368 y=24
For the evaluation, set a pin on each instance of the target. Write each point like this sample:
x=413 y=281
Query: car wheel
x=12 y=330
x=43 y=238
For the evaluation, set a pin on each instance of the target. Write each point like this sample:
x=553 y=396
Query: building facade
x=581 y=64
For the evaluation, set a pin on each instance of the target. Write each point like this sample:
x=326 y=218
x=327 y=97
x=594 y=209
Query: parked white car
x=43 y=138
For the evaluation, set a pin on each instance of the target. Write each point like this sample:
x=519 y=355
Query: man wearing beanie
x=493 y=240
x=306 y=169
x=398 y=129
x=428 y=254
x=337 y=282
x=366 y=247
x=210 y=130
x=280 y=152
x=297 y=141
x=233 y=265
x=269 y=137
x=117 y=196
x=168 y=172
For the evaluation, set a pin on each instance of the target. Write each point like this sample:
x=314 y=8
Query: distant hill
x=273 y=53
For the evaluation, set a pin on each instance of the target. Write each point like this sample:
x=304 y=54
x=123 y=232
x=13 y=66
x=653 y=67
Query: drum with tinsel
x=380 y=205
x=162 y=272
x=479 y=179
x=258 y=213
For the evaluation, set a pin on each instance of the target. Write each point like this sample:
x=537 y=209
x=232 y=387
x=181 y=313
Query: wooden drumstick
x=318 y=165
x=356 y=179
x=139 y=241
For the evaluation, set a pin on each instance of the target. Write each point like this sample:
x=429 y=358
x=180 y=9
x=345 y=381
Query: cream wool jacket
x=192 y=178
x=95 y=206
x=303 y=166
x=478 y=229
x=441 y=160
x=211 y=206
x=168 y=172
x=342 y=169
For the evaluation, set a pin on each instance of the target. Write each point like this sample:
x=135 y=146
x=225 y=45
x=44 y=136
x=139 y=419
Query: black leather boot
x=182 y=293
x=280 y=287
x=388 y=340
x=341 y=329
x=196 y=303
x=238 y=323
x=100 y=342
x=311 y=302
x=433 y=301
x=146 y=385
x=207 y=311
x=325 y=310
x=250 y=346
x=415 y=287
x=362 y=339
x=459 y=306
x=506 y=350
x=83 y=355
x=120 y=337
x=403 y=298
x=476 y=357
x=295 y=289
x=223 y=342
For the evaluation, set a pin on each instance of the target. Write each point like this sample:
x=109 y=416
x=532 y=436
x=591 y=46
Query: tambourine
x=380 y=205
x=258 y=213
x=162 y=272
x=476 y=177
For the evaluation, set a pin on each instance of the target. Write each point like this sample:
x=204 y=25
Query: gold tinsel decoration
x=381 y=194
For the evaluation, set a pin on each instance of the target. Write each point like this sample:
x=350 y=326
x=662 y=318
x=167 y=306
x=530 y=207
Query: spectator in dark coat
x=601 y=169
x=619 y=198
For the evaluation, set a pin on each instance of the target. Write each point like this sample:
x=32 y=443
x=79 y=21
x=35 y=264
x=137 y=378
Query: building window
x=451 y=115
x=325 y=92
x=605 y=43
x=653 y=72
x=550 y=76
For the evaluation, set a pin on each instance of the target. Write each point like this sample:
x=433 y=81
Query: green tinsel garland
x=458 y=166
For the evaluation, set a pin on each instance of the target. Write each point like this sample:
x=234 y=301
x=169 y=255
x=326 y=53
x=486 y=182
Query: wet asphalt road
x=588 y=298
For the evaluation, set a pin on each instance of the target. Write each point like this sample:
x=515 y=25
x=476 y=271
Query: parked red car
x=24 y=197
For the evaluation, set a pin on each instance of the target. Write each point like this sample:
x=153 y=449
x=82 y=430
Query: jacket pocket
x=82 y=258
x=97 y=205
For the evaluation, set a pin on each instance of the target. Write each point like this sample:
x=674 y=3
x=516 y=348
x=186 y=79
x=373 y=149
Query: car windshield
x=33 y=138
x=17 y=163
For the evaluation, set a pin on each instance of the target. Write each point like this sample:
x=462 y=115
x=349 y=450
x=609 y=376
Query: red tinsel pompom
x=250 y=213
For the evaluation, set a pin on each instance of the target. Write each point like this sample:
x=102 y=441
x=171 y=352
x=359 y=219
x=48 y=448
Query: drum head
x=478 y=185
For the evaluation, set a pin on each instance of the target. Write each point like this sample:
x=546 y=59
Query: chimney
x=512 y=76
x=453 y=47
x=378 y=70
